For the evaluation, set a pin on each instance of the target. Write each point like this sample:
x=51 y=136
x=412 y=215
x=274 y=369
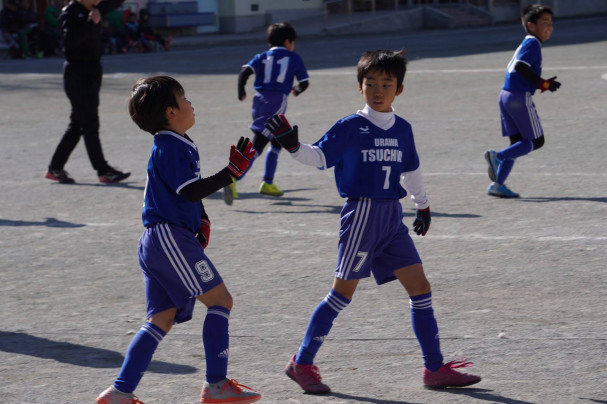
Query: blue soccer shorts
x=264 y=106
x=176 y=270
x=373 y=240
x=519 y=115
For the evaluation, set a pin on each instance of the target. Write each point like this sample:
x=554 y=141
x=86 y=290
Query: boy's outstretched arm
x=300 y=87
x=240 y=158
x=525 y=71
x=288 y=137
x=282 y=131
x=243 y=76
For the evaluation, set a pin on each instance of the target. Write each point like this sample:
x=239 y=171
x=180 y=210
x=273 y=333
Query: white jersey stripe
x=169 y=247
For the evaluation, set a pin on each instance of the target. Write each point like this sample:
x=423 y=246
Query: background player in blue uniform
x=520 y=121
x=274 y=71
x=370 y=152
x=176 y=270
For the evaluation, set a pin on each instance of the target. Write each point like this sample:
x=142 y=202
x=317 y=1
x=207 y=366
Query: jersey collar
x=383 y=120
x=166 y=132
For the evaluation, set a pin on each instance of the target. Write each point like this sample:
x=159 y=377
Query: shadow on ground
x=78 y=355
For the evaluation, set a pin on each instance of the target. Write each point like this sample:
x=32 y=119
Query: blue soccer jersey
x=174 y=163
x=276 y=68
x=369 y=160
x=529 y=52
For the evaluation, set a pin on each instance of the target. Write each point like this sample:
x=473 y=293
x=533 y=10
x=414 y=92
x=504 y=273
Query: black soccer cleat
x=112 y=175
x=61 y=176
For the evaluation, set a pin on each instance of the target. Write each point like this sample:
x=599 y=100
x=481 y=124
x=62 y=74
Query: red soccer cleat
x=447 y=377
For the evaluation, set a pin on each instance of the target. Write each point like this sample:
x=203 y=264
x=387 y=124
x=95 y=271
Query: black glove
x=421 y=224
x=240 y=157
x=551 y=85
x=282 y=131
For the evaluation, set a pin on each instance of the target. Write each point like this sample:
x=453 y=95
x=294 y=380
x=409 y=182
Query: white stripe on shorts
x=178 y=261
x=358 y=226
x=281 y=110
x=533 y=118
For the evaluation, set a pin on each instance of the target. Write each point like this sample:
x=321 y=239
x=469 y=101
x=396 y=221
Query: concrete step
x=464 y=18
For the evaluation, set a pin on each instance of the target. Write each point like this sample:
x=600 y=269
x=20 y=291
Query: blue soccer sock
x=504 y=171
x=271 y=164
x=426 y=330
x=138 y=357
x=319 y=326
x=516 y=150
x=507 y=157
x=216 y=340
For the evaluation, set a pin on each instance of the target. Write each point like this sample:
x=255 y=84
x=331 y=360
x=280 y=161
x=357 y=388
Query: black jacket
x=81 y=37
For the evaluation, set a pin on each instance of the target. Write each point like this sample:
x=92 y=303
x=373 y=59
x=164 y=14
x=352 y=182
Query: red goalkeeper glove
x=282 y=131
x=551 y=84
x=204 y=233
x=240 y=157
x=421 y=224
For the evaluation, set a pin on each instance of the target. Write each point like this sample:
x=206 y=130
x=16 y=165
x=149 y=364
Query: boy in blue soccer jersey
x=520 y=121
x=274 y=71
x=176 y=270
x=371 y=151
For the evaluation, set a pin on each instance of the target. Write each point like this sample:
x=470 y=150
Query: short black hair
x=150 y=99
x=280 y=32
x=533 y=12
x=392 y=63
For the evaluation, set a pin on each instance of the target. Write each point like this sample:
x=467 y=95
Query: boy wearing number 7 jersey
x=275 y=71
x=370 y=152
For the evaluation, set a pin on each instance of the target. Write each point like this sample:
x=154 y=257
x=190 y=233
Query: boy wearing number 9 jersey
x=370 y=152
x=176 y=269
x=275 y=71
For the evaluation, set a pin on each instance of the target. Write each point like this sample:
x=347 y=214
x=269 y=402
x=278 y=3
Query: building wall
x=238 y=16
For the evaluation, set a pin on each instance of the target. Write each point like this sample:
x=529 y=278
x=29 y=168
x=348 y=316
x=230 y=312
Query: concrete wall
x=561 y=8
x=239 y=16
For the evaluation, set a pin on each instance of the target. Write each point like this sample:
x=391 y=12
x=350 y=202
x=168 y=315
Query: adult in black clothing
x=82 y=72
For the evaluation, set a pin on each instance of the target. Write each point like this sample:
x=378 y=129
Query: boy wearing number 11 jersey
x=275 y=71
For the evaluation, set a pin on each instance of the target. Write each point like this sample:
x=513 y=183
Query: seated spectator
x=148 y=32
x=52 y=27
x=30 y=37
x=10 y=24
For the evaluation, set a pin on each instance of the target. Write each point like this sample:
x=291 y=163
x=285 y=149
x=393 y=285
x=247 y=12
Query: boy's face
x=182 y=119
x=542 y=29
x=379 y=90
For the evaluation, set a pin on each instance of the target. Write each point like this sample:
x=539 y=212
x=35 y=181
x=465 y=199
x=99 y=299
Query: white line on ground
x=448 y=71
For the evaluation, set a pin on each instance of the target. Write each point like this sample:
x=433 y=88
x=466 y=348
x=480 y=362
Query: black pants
x=82 y=82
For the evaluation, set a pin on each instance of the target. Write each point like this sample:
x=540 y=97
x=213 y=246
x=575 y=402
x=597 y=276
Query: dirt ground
x=518 y=285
